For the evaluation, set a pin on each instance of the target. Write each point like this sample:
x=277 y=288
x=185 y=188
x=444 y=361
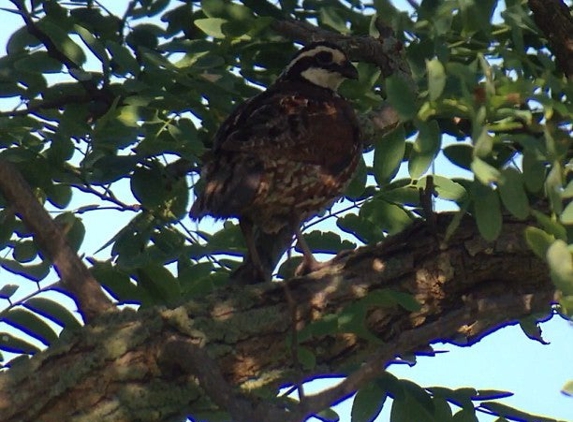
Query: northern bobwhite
x=285 y=154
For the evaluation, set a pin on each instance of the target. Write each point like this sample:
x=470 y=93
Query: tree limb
x=75 y=276
x=467 y=288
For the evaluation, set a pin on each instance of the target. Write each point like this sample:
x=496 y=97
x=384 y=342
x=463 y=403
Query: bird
x=282 y=157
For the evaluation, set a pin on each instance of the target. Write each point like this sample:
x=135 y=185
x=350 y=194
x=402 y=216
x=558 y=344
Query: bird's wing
x=315 y=130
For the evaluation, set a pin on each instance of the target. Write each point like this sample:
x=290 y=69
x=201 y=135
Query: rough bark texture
x=125 y=367
x=555 y=21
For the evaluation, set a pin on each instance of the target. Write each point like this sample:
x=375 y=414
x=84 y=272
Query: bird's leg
x=309 y=262
x=246 y=226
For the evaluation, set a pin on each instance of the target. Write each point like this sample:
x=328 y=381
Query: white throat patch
x=323 y=78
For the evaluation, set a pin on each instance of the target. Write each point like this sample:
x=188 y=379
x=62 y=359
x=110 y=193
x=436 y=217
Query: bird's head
x=321 y=63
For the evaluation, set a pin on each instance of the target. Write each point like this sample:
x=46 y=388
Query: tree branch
x=75 y=276
x=555 y=21
x=467 y=288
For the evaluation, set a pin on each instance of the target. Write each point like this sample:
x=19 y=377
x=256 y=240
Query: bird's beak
x=349 y=71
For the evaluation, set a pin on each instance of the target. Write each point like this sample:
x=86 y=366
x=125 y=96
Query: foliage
x=100 y=107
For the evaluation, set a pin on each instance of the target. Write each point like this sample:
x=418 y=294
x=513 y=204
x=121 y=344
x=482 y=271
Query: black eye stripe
x=324 y=57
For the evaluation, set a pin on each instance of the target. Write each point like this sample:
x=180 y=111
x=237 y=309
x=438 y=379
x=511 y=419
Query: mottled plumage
x=287 y=153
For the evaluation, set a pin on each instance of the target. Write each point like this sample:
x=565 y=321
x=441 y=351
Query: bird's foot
x=309 y=265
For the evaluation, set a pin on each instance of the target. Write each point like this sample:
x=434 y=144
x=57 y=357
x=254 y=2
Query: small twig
x=329 y=215
x=107 y=196
x=24 y=299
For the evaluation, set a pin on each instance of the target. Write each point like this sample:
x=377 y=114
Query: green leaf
x=484 y=172
x=446 y=188
x=491 y=394
x=539 y=241
x=144 y=36
x=30 y=324
x=34 y=272
x=534 y=171
x=568 y=388
x=561 y=266
x=483 y=144
x=387 y=217
x=60 y=195
x=401 y=97
x=512 y=413
x=368 y=403
x=162 y=286
x=38 y=61
x=566 y=216
x=25 y=251
x=8 y=290
x=73 y=227
x=465 y=415
x=416 y=405
x=487 y=211
x=512 y=192
x=326 y=242
x=388 y=155
x=461 y=397
x=460 y=154
x=442 y=410
x=554 y=186
x=62 y=41
x=306 y=358
x=425 y=149
x=436 y=78
x=116 y=282
x=352 y=320
x=111 y=168
x=550 y=225
x=95 y=46
x=227 y=240
x=123 y=60
x=53 y=311
x=328 y=415
x=12 y=344
x=329 y=16
x=20 y=40
x=7 y=225
x=211 y=26
x=324 y=326
x=158 y=191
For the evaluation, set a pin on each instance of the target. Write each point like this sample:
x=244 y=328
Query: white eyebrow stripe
x=337 y=56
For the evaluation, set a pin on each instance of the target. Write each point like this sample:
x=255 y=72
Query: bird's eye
x=324 y=58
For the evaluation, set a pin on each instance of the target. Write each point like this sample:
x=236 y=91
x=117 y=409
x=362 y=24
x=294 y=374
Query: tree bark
x=555 y=21
x=154 y=365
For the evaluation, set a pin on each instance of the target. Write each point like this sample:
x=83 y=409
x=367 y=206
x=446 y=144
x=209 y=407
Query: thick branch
x=554 y=19
x=384 y=52
x=76 y=278
x=467 y=288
